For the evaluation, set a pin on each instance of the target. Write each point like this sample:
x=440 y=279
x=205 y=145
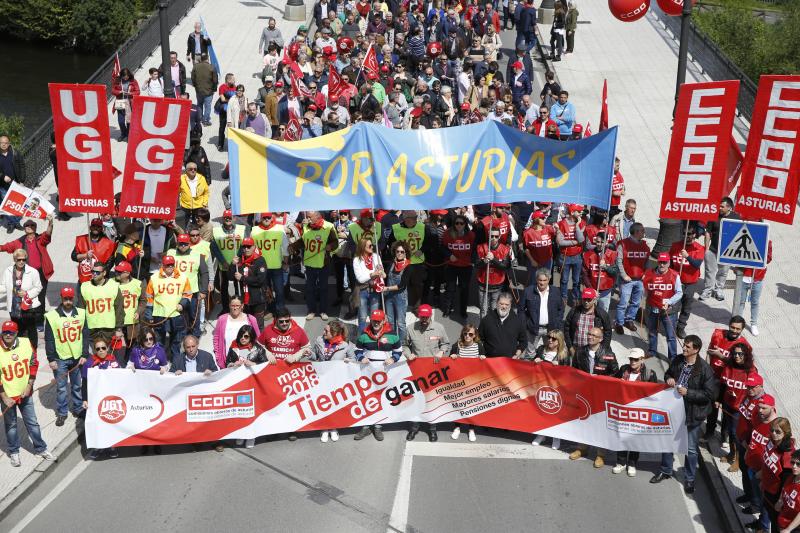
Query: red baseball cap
x=538 y=214
x=575 y=207
x=377 y=314
x=227 y=214
x=767 y=399
x=465 y=107
x=425 y=310
x=501 y=204
x=122 y=266
x=384 y=68
x=184 y=238
x=365 y=213
x=67 y=292
x=754 y=380
x=248 y=241
x=589 y=293
x=167 y=260
x=279 y=83
x=96 y=222
x=577 y=128
x=312 y=107
x=439 y=212
x=663 y=257
x=516 y=64
x=10 y=325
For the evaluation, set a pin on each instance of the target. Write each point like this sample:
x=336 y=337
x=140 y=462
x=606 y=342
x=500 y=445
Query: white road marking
x=483 y=451
x=52 y=495
x=399 y=517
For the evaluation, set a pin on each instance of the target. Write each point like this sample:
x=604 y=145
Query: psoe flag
x=369 y=166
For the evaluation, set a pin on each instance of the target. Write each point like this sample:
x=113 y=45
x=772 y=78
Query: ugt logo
x=549 y=400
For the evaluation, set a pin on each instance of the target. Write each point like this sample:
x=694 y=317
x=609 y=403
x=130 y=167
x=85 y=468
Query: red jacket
x=568 y=231
x=283 y=343
x=747 y=410
x=539 y=127
x=41 y=241
x=689 y=274
x=733 y=381
x=461 y=247
x=503 y=224
x=659 y=287
x=719 y=339
x=539 y=243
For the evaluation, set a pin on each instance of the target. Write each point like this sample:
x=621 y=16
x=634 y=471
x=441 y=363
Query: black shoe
x=63 y=216
x=658 y=478
x=749 y=510
x=60 y=419
x=363 y=432
x=631 y=325
x=157 y=449
x=377 y=433
x=412 y=434
x=9 y=228
x=743 y=499
x=113 y=453
x=433 y=436
x=618 y=329
x=689 y=487
x=680 y=333
x=446 y=314
x=755 y=524
x=144 y=450
x=292 y=437
x=337 y=302
x=557 y=59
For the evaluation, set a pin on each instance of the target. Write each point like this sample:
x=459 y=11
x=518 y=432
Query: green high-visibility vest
x=315 y=241
x=356 y=231
x=67 y=332
x=270 y=242
x=99 y=303
x=167 y=294
x=414 y=237
x=188 y=264
x=228 y=243
x=131 y=293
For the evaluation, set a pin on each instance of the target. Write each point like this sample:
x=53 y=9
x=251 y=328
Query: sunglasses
x=469 y=334
x=194 y=235
x=495 y=236
x=9 y=332
x=97 y=272
x=183 y=244
x=738 y=354
x=101 y=348
x=552 y=338
x=459 y=224
x=400 y=252
x=245 y=335
x=149 y=338
x=21 y=259
x=247 y=246
x=286 y=321
x=795 y=463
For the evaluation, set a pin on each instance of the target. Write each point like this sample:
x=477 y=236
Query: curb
x=726 y=507
x=38 y=475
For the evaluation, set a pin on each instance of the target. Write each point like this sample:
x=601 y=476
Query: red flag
x=116 y=69
x=588 y=132
x=294 y=132
x=371 y=63
x=604 y=108
x=771 y=168
x=734 y=167
x=335 y=85
x=299 y=88
x=152 y=176
x=698 y=151
x=83 y=148
x=520 y=123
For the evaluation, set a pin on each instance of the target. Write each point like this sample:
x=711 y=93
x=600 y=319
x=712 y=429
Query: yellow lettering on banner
x=326 y=181
x=414 y=190
x=303 y=176
x=359 y=175
x=535 y=167
x=554 y=184
x=397 y=175
x=464 y=187
x=511 y=167
x=447 y=162
x=489 y=171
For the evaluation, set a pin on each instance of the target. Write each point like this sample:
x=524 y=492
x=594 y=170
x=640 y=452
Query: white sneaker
x=618 y=469
x=456 y=433
x=334 y=435
x=631 y=471
x=310 y=316
x=556 y=444
x=538 y=440
x=324 y=316
x=324 y=437
x=15 y=462
x=249 y=443
x=754 y=330
x=47 y=456
x=239 y=442
x=471 y=435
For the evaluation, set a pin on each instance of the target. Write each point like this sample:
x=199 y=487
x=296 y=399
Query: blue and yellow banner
x=374 y=166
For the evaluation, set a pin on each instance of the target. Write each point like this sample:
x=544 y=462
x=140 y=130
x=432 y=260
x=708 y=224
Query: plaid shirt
x=585 y=323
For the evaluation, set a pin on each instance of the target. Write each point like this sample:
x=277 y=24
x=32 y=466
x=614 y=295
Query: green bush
x=101 y=25
x=14 y=127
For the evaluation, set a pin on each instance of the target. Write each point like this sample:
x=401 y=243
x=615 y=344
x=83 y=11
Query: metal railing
x=35 y=150
x=714 y=62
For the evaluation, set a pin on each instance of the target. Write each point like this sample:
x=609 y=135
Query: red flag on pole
x=299 y=88
x=294 y=132
x=588 y=132
x=604 y=108
x=335 y=84
x=371 y=63
x=116 y=69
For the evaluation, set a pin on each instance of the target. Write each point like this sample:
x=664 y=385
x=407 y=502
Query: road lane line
x=52 y=495
x=398 y=521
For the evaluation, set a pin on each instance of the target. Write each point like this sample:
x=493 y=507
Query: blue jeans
x=752 y=292
x=25 y=407
x=757 y=499
x=204 y=106
x=690 y=467
x=317 y=290
x=396 y=305
x=630 y=296
x=654 y=318
x=193 y=315
x=571 y=266
x=123 y=127
x=276 y=280
x=175 y=327
x=368 y=302
x=74 y=378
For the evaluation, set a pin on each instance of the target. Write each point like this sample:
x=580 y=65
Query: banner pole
x=488 y=250
x=607 y=220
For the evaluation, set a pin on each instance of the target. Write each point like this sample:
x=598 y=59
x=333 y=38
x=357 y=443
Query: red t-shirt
x=539 y=242
x=634 y=257
x=461 y=247
x=775 y=462
x=733 y=380
x=720 y=340
x=659 y=287
x=496 y=275
x=568 y=231
x=283 y=343
x=689 y=274
x=617 y=184
x=592 y=271
x=611 y=234
x=791 y=503
x=747 y=412
x=503 y=224
x=759 y=437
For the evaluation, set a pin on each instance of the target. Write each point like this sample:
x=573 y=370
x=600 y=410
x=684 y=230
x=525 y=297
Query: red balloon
x=671 y=7
x=628 y=10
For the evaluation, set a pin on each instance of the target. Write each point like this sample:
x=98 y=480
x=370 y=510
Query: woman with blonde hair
x=468 y=345
x=553 y=351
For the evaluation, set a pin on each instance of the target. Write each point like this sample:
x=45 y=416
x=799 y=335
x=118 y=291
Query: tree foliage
x=101 y=25
x=756 y=46
x=14 y=127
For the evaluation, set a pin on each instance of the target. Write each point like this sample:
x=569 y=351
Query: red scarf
x=247 y=263
x=368 y=261
x=317 y=225
x=399 y=266
x=268 y=226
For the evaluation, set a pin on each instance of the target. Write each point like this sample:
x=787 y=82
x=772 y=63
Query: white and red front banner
x=24 y=202
x=771 y=168
x=83 y=148
x=129 y=409
x=698 y=152
x=152 y=177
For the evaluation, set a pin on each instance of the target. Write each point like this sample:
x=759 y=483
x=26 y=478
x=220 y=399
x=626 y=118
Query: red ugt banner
x=698 y=153
x=83 y=148
x=771 y=169
x=153 y=162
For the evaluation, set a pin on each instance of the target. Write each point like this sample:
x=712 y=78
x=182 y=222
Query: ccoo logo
x=549 y=400
x=112 y=409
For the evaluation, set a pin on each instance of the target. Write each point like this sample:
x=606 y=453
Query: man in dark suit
x=539 y=318
x=321 y=10
x=191 y=359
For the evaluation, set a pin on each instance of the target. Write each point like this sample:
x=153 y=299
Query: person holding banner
x=168 y=293
x=538 y=244
x=581 y=319
x=459 y=240
x=600 y=269
x=502 y=331
x=284 y=339
x=92 y=248
x=418 y=237
x=494 y=260
x=469 y=346
x=543 y=310
x=66 y=340
x=332 y=345
x=104 y=305
x=271 y=239
x=663 y=288
x=101 y=358
x=133 y=300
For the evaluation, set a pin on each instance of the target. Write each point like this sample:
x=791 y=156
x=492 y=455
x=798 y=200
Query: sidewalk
x=237 y=49
x=639 y=60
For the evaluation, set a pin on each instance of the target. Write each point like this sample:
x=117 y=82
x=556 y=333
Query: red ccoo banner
x=698 y=153
x=771 y=168
x=153 y=162
x=83 y=148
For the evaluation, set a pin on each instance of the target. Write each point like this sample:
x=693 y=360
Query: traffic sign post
x=743 y=243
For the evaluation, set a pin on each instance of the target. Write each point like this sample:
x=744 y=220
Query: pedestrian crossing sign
x=743 y=243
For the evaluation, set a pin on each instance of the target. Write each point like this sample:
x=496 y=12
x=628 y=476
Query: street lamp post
x=295 y=10
x=166 y=70
x=546 y=11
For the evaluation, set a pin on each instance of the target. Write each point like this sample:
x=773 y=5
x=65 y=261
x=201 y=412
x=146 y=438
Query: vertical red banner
x=83 y=148
x=771 y=168
x=698 y=152
x=152 y=177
